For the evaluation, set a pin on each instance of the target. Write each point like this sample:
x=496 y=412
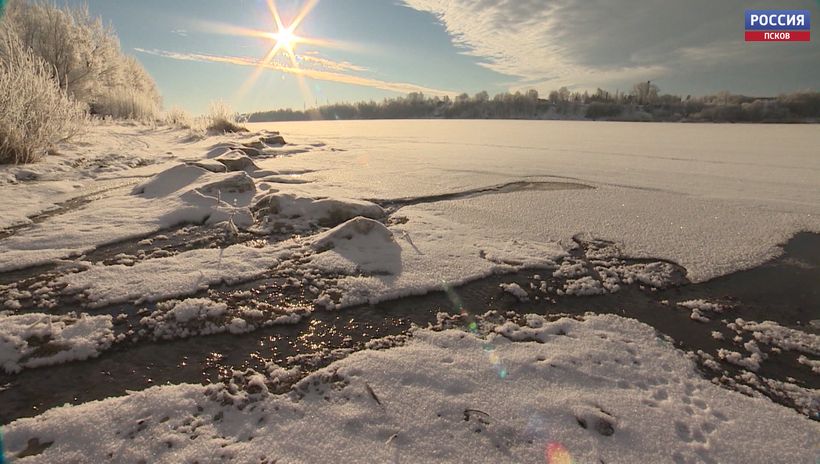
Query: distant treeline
x=643 y=103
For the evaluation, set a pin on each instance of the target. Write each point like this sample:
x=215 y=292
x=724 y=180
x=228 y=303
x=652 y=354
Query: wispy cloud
x=537 y=42
x=332 y=75
x=180 y=32
x=588 y=43
x=329 y=64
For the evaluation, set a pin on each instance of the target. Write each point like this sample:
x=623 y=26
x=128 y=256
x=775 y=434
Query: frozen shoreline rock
x=358 y=245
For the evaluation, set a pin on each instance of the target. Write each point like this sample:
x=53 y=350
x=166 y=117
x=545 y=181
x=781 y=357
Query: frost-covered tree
x=563 y=94
x=85 y=57
x=35 y=113
x=801 y=106
x=645 y=92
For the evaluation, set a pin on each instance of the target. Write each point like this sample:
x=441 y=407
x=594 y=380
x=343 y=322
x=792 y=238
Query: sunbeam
x=285 y=41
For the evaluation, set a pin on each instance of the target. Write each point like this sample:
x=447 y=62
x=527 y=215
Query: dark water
x=784 y=290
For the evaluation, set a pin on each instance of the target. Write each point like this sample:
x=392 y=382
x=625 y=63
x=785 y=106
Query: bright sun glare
x=285 y=39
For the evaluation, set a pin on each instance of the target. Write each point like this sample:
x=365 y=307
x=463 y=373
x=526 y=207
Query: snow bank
x=278 y=210
x=29 y=202
x=181 y=194
x=33 y=340
x=601 y=389
x=375 y=263
x=196 y=195
x=169 y=181
x=701 y=201
x=85 y=168
x=360 y=245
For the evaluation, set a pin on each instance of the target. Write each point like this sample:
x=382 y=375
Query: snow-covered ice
x=515 y=290
x=702 y=309
x=772 y=333
x=33 y=340
x=429 y=252
x=712 y=198
x=201 y=316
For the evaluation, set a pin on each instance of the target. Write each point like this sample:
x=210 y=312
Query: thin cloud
x=330 y=64
x=331 y=76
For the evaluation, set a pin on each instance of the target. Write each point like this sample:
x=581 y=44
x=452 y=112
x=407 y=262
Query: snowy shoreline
x=297 y=211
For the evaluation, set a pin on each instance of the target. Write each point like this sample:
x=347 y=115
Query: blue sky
x=377 y=48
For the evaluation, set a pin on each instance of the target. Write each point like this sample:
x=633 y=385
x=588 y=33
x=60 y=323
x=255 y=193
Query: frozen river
x=776 y=163
x=715 y=198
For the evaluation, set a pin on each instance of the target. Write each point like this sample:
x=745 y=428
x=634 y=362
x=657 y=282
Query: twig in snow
x=41 y=320
x=406 y=236
x=373 y=394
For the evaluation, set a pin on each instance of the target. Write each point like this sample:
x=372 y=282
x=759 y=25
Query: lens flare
x=557 y=454
x=495 y=361
x=285 y=39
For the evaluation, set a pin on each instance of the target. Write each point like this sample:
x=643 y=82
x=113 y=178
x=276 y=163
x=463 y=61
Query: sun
x=285 y=39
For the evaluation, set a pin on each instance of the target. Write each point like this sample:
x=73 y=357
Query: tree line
x=643 y=103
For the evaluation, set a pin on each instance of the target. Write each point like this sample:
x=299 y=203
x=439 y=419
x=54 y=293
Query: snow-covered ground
x=600 y=389
x=364 y=212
